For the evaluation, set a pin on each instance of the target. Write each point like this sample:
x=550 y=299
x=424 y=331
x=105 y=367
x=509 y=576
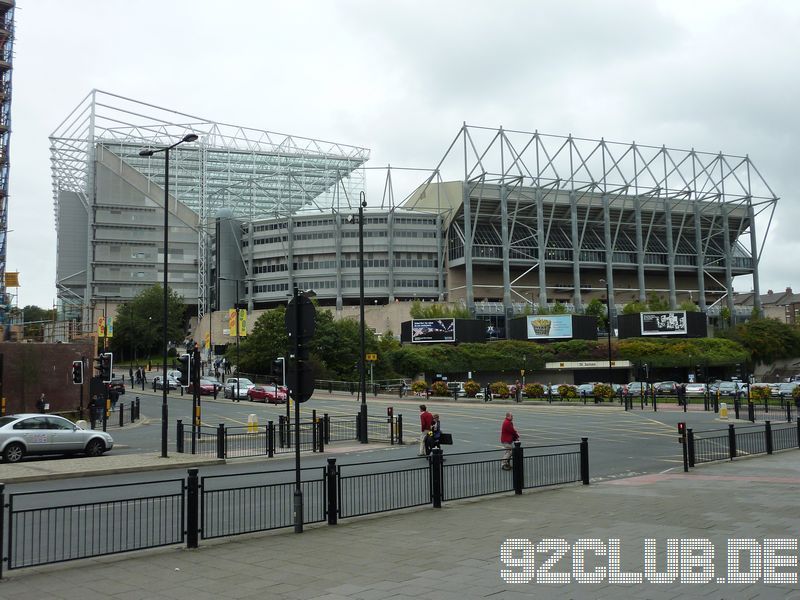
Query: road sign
x=372 y=357
x=300 y=379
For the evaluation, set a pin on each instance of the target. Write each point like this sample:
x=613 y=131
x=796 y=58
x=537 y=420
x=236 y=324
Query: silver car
x=48 y=434
x=230 y=389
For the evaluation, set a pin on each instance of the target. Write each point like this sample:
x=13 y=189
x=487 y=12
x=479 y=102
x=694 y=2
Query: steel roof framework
x=690 y=190
x=253 y=172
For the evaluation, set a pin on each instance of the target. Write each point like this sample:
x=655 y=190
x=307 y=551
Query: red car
x=271 y=393
x=206 y=386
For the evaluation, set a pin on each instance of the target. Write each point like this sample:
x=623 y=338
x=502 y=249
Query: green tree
x=33 y=317
x=139 y=324
x=688 y=306
x=559 y=308
x=634 y=307
x=657 y=302
x=597 y=309
x=767 y=340
x=432 y=310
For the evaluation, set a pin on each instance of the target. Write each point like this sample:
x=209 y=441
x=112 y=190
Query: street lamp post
x=361 y=367
x=189 y=137
x=608 y=306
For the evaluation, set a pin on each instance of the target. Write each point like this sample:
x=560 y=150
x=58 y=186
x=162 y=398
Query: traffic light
x=681 y=428
x=104 y=364
x=195 y=366
x=277 y=368
x=77 y=372
x=185 y=367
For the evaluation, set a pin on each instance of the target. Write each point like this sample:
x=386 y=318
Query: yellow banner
x=207 y=341
x=12 y=279
x=101 y=326
x=242 y=322
x=110 y=327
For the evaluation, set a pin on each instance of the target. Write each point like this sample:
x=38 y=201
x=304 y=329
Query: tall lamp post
x=608 y=307
x=189 y=137
x=361 y=367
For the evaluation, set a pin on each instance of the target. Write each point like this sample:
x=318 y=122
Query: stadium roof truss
x=255 y=173
x=717 y=194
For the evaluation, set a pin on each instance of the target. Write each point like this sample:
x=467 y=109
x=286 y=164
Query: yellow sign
x=372 y=357
x=242 y=322
x=207 y=341
x=522 y=372
x=12 y=279
x=101 y=326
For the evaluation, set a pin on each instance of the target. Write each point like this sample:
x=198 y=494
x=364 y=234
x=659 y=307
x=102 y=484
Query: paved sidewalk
x=453 y=553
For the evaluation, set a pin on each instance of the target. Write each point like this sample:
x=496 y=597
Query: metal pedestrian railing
x=733 y=442
x=38 y=528
x=268 y=440
x=56 y=526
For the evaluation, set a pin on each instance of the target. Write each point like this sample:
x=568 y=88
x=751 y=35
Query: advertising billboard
x=549 y=327
x=664 y=323
x=433 y=330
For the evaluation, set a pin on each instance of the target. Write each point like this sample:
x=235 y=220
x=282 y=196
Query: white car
x=48 y=434
x=231 y=387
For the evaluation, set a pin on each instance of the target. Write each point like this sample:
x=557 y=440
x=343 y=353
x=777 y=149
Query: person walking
x=436 y=434
x=426 y=423
x=41 y=404
x=508 y=435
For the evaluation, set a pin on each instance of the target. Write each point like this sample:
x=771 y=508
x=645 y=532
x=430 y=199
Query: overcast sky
x=401 y=77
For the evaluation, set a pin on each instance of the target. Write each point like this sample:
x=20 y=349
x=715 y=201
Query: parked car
x=695 y=389
x=208 y=386
x=729 y=388
x=25 y=434
x=635 y=388
x=586 y=389
x=275 y=394
x=666 y=387
x=231 y=387
x=172 y=384
x=787 y=389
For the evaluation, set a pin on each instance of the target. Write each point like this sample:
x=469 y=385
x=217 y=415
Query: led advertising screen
x=549 y=327
x=664 y=323
x=433 y=330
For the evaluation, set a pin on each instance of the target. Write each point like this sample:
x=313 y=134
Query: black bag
x=446 y=439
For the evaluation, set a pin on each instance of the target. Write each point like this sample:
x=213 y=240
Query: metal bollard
x=179 y=437
x=121 y=414
x=400 y=429
x=270 y=439
x=768 y=436
x=436 y=477
x=221 y=440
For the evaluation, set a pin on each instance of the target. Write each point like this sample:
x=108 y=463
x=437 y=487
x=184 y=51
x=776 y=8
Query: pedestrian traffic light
x=77 y=372
x=185 y=368
x=681 y=428
x=277 y=368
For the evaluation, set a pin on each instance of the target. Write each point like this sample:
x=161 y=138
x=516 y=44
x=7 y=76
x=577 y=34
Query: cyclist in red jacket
x=508 y=435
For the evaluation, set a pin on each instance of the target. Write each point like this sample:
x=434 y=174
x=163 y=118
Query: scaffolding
x=6 y=67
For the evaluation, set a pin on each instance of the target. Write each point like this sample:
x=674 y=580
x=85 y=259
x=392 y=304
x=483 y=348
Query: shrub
x=419 y=386
x=439 y=388
x=471 y=388
x=796 y=393
x=759 y=393
x=603 y=390
x=534 y=390
x=499 y=388
x=567 y=391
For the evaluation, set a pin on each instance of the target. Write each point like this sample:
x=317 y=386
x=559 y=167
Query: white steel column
x=577 y=297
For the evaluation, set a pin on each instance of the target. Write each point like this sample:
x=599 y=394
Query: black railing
x=235 y=504
x=397 y=484
x=733 y=442
x=56 y=526
x=342 y=429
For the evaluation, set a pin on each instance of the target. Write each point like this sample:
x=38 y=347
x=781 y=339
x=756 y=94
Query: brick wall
x=30 y=369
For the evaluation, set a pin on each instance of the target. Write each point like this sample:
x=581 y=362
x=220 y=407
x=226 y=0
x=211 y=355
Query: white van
x=456 y=386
